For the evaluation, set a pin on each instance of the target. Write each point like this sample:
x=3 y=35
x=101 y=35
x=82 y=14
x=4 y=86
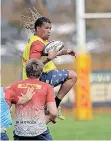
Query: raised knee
x=73 y=75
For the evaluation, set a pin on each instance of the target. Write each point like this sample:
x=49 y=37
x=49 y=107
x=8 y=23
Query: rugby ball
x=54 y=45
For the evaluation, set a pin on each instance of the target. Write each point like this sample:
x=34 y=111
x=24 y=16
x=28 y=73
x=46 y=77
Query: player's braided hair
x=34 y=68
x=29 y=21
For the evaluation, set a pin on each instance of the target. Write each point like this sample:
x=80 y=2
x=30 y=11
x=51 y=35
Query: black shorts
x=55 y=77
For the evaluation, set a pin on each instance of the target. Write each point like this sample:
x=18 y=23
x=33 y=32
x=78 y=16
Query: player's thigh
x=72 y=74
x=55 y=77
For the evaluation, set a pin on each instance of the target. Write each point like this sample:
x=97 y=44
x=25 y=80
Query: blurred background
x=62 y=13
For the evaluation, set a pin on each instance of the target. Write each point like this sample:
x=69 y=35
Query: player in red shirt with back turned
x=30 y=121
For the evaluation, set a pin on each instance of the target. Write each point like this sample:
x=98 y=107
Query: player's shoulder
x=8 y=91
x=21 y=81
x=37 y=40
x=15 y=84
x=37 y=45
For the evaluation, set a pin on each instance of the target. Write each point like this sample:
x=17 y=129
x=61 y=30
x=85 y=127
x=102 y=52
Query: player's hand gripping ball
x=54 y=46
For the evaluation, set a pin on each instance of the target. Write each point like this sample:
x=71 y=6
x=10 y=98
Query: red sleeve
x=50 y=95
x=10 y=96
x=36 y=49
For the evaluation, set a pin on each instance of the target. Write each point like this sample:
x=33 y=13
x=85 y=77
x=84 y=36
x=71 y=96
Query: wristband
x=48 y=59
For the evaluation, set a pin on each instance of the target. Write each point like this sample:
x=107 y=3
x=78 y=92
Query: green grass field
x=99 y=128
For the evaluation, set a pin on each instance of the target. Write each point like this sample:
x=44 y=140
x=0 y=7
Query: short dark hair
x=34 y=68
x=39 y=22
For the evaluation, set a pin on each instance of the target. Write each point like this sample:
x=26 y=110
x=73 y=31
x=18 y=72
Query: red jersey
x=30 y=119
x=10 y=96
x=36 y=49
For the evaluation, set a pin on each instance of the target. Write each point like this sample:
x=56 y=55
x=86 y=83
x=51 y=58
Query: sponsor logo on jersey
x=36 y=86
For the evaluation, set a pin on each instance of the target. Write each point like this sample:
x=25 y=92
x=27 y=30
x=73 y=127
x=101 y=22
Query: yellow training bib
x=48 y=66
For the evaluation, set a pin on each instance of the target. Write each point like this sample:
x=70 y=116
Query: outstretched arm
x=66 y=52
x=12 y=97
